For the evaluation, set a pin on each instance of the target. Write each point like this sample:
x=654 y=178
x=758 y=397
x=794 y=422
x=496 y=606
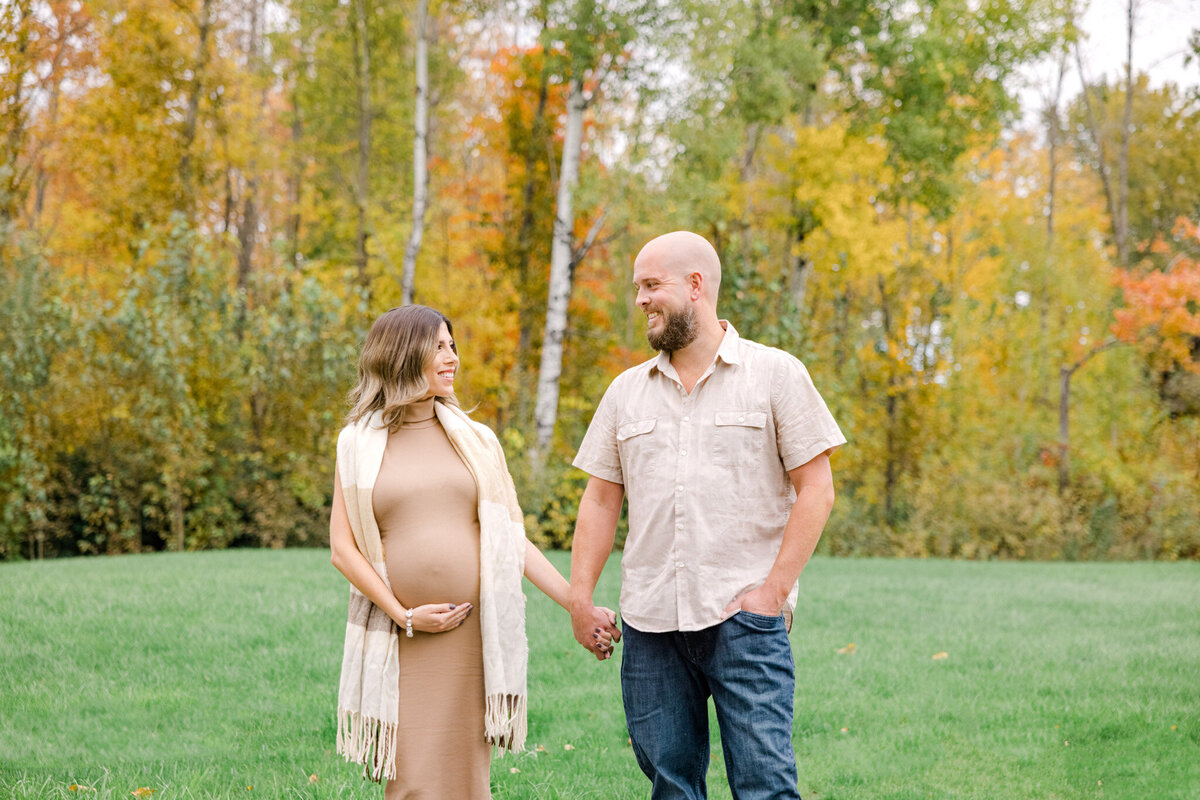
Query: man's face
x=663 y=296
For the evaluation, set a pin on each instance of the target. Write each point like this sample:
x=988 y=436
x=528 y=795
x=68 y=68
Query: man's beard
x=679 y=330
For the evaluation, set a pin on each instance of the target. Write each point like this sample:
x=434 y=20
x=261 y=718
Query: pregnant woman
x=427 y=529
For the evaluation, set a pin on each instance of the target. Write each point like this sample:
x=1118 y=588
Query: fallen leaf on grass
x=313 y=779
x=845 y=730
x=75 y=787
x=568 y=747
x=940 y=656
x=848 y=650
x=540 y=748
x=513 y=770
x=143 y=791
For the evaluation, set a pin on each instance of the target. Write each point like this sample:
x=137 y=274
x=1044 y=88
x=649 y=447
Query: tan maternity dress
x=425 y=502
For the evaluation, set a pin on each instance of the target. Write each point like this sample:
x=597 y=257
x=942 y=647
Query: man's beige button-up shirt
x=706 y=475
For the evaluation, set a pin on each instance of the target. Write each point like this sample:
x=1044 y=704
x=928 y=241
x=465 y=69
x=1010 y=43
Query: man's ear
x=696 y=282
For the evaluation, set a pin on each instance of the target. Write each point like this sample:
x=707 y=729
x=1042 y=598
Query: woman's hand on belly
x=438 y=617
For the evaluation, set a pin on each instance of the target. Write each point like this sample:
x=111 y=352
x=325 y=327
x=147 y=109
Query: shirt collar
x=728 y=351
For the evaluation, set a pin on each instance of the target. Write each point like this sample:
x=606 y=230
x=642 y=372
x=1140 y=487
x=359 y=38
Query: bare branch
x=578 y=254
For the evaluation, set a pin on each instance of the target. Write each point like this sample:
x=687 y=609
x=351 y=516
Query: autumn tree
x=1161 y=314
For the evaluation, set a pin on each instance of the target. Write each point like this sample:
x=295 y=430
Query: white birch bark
x=362 y=186
x=545 y=411
x=420 y=155
x=1121 y=225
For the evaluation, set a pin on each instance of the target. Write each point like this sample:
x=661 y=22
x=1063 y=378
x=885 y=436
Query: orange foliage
x=1162 y=308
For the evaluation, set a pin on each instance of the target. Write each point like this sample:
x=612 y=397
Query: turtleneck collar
x=419 y=412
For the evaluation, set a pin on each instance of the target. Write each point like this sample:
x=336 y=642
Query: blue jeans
x=745 y=665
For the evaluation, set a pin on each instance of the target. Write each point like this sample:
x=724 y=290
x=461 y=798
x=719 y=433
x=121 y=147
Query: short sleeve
x=804 y=428
x=598 y=455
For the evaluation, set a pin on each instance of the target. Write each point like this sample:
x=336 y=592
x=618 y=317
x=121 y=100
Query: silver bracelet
x=408 y=623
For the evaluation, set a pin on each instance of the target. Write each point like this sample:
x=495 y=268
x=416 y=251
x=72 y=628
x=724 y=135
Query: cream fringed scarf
x=368 y=695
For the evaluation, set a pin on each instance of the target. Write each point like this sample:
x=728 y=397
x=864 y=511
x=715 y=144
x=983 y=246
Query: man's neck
x=691 y=361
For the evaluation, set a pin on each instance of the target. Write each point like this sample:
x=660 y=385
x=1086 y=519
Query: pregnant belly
x=433 y=565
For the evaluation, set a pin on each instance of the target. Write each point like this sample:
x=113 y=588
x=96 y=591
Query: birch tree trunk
x=529 y=311
x=1101 y=140
x=14 y=113
x=891 y=469
x=1116 y=198
x=362 y=68
x=1122 y=221
x=1053 y=139
x=192 y=114
x=248 y=227
x=545 y=411
x=294 y=181
x=420 y=155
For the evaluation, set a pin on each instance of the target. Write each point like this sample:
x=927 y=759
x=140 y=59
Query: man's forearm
x=594 y=628
x=805 y=523
x=595 y=529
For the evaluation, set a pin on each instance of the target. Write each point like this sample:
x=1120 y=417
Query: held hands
x=595 y=628
x=437 y=617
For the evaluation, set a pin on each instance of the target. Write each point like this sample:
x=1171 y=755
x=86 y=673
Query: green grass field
x=214 y=675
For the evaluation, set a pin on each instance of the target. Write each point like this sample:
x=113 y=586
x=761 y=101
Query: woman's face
x=440 y=370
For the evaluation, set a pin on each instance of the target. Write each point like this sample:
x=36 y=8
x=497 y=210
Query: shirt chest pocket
x=738 y=436
x=637 y=444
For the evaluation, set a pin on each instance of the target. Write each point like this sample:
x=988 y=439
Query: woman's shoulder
x=350 y=430
x=355 y=428
x=480 y=429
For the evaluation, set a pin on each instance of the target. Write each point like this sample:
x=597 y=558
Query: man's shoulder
x=765 y=354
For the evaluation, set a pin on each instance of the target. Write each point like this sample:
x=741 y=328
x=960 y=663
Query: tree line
x=204 y=203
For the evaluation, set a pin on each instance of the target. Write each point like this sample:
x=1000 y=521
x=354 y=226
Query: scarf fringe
x=505 y=721
x=367 y=741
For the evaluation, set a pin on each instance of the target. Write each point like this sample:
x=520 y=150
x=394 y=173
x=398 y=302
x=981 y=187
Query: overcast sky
x=1161 y=31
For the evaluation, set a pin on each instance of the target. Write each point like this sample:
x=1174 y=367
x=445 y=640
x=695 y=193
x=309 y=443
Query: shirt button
x=679 y=488
x=685 y=419
x=741 y=419
x=683 y=452
x=679 y=564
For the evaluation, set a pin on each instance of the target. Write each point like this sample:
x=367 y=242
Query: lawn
x=215 y=674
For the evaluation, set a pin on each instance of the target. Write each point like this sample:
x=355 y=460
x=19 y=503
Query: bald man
x=722 y=446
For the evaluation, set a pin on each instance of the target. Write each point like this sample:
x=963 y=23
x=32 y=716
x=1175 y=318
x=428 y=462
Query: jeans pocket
x=760 y=622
